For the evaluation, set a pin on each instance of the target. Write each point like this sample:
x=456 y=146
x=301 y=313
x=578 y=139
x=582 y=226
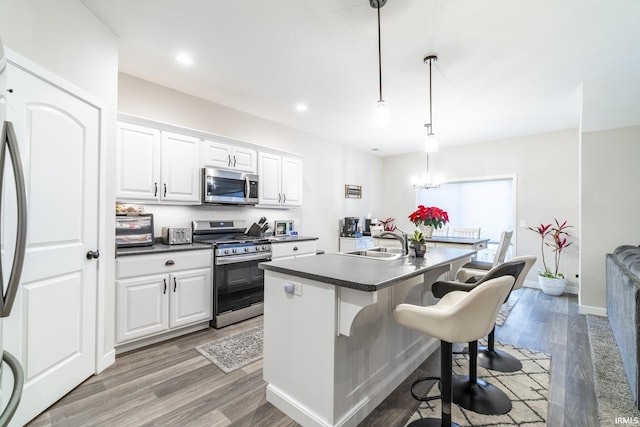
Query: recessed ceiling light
x=301 y=107
x=184 y=58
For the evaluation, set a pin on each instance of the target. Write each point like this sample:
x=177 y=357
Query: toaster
x=176 y=235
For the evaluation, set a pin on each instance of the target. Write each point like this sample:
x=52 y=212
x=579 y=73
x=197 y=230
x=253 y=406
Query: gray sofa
x=623 y=308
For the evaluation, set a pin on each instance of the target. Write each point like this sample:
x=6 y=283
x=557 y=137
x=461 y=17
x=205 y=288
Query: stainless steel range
x=238 y=283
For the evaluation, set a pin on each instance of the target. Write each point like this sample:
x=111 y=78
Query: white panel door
x=191 y=297
x=180 y=172
x=138 y=162
x=269 y=185
x=53 y=324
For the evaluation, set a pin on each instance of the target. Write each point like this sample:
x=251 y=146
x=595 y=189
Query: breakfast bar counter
x=332 y=349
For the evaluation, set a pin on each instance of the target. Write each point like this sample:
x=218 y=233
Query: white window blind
x=487 y=204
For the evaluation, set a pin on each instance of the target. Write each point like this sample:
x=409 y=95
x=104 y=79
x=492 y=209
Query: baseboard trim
x=595 y=311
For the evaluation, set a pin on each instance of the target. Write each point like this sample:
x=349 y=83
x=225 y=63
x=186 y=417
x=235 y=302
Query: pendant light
x=426 y=181
x=380 y=108
x=431 y=145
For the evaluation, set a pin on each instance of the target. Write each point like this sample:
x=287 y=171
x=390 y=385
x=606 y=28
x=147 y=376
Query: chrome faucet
x=403 y=239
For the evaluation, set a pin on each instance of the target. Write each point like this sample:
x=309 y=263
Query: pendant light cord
x=430 y=104
x=379 y=53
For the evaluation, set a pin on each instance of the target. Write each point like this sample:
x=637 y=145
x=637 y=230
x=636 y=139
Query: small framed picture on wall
x=353 y=191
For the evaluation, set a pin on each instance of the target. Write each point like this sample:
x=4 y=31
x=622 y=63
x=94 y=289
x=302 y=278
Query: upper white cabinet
x=280 y=180
x=155 y=165
x=226 y=156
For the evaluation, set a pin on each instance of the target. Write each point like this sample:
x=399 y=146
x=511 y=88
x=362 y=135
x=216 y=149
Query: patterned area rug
x=615 y=401
x=506 y=309
x=528 y=390
x=235 y=351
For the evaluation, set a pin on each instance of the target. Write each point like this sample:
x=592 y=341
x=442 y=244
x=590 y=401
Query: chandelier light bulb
x=431 y=145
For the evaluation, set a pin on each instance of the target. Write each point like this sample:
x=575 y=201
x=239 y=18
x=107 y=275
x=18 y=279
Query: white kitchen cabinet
x=280 y=180
x=154 y=165
x=227 y=156
x=296 y=249
x=158 y=293
x=355 y=243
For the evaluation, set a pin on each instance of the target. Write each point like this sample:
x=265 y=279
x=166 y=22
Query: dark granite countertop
x=160 y=248
x=283 y=239
x=363 y=274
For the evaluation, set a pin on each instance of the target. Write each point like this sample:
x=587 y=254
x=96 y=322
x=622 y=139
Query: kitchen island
x=332 y=350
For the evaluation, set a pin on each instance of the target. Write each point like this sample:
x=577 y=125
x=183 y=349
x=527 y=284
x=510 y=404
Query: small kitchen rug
x=235 y=351
x=527 y=388
x=506 y=309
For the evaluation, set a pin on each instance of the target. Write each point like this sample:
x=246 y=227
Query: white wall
x=68 y=40
x=546 y=171
x=610 y=149
x=327 y=166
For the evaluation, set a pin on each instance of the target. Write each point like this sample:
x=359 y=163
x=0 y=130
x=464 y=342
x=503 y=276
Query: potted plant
x=552 y=282
x=418 y=243
x=428 y=218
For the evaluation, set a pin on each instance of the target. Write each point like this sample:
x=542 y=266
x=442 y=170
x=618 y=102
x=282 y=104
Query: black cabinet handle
x=93 y=254
x=165 y=286
x=295 y=248
x=234 y=161
x=169 y=262
x=229 y=160
x=155 y=189
x=174 y=284
x=165 y=189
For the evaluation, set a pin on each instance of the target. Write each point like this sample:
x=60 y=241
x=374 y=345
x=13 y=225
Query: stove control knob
x=246 y=249
x=226 y=251
x=264 y=248
x=235 y=251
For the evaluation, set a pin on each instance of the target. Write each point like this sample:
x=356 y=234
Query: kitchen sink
x=380 y=252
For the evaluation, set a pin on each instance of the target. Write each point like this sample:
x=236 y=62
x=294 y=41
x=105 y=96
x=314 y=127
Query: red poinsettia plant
x=429 y=215
x=554 y=237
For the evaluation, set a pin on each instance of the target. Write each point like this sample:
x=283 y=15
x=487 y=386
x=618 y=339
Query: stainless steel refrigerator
x=11 y=174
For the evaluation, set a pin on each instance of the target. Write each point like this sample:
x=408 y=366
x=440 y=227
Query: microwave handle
x=247 y=186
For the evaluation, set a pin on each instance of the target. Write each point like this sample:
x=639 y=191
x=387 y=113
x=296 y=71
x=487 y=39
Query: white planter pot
x=552 y=285
x=427 y=230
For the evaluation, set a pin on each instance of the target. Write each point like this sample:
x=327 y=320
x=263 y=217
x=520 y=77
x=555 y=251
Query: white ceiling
x=506 y=67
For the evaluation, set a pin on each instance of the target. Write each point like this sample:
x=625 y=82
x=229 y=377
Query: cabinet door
x=244 y=159
x=291 y=182
x=180 y=168
x=143 y=304
x=217 y=154
x=138 y=162
x=191 y=297
x=269 y=186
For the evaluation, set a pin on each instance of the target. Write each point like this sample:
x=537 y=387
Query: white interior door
x=53 y=324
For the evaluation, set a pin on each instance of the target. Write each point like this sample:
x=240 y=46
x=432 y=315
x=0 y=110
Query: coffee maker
x=349 y=226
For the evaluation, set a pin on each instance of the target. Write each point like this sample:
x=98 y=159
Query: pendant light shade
x=380 y=108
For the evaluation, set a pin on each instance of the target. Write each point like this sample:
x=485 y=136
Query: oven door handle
x=265 y=256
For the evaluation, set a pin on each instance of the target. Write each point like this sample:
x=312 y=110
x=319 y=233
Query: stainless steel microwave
x=220 y=186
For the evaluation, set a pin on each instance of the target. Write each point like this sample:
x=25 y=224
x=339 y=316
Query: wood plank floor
x=171 y=384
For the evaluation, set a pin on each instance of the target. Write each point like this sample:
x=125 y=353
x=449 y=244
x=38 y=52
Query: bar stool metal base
x=430 y=422
x=480 y=397
x=498 y=360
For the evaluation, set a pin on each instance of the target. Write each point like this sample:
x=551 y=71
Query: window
x=488 y=204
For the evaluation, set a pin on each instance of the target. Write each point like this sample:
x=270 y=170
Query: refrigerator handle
x=10 y=142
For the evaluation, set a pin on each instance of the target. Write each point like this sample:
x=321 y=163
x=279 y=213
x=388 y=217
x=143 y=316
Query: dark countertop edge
x=285 y=239
x=355 y=285
x=159 y=248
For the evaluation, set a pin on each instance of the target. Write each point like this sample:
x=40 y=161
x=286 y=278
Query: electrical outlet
x=297 y=289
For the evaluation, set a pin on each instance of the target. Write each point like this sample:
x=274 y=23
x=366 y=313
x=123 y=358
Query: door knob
x=93 y=254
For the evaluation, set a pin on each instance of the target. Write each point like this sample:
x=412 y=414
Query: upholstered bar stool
x=497 y=360
x=457 y=317
x=469 y=391
x=474 y=270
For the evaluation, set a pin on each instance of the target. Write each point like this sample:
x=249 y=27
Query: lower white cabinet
x=297 y=249
x=157 y=293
